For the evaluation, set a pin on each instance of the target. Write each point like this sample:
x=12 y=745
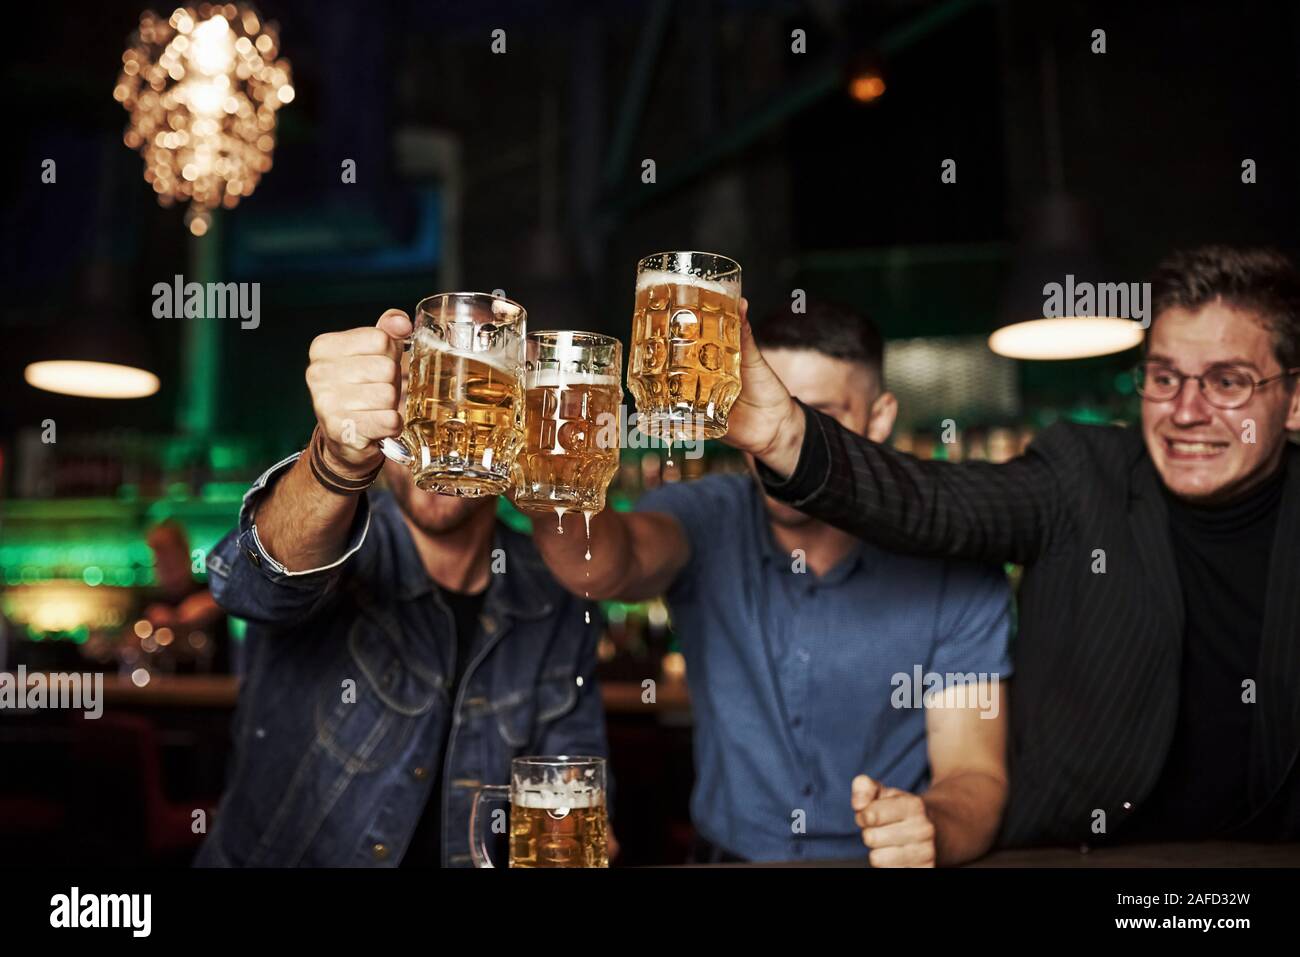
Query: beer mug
x=557 y=813
x=464 y=406
x=684 y=371
x=572 y=392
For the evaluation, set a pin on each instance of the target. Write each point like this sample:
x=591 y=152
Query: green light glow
x=224 y=491
x=61 y=539
x=512 y=516
x=79 y=635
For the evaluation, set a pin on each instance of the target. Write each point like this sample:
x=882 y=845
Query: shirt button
x=380 y=852
x=796 y=721
x=797 y=848
x=420 y=773
x=807 y=790
x=253 y=557
x=488 y=623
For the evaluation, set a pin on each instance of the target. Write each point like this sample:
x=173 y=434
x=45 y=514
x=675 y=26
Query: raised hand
x=355 y=379
x=766 y=422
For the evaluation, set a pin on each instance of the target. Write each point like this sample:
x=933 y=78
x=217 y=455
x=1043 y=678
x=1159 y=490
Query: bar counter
x=222 y=691
x=1194 y=854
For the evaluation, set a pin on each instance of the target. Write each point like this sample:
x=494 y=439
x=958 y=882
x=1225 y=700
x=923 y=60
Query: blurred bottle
x=651 y=472
x=1004 y=445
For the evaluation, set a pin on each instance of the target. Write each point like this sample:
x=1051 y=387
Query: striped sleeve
x=978 y=510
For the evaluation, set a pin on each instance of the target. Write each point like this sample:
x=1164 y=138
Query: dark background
x=522 y=172
x=759 y=154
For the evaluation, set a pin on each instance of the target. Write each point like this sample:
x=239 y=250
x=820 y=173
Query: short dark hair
x=827 y=327
x=1259 y=279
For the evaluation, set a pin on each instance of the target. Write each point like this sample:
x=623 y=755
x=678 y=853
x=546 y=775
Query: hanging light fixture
x=202 y=88
x=110 y=357
x=866 y=77
x=91 y=379
x=1058 y=244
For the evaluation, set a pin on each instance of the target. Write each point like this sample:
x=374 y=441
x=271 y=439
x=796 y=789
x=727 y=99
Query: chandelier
x=202 y=88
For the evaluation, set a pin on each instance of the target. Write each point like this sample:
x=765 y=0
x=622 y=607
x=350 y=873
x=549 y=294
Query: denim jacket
x=320 y=780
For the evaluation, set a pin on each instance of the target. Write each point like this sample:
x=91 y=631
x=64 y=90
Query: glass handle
x=395 y=449
x=477 y=845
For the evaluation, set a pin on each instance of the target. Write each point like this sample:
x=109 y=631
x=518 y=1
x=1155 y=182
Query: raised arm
x=295 y=535
x=355 y=381
x=973 y=510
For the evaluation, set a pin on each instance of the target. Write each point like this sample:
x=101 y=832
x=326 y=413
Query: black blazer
x=1097 y=656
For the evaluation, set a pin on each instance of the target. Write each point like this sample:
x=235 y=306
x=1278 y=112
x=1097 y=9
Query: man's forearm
x=966 y=809
x=782 y=453
x=609 y=546
x=302 y=524
x=980 y=510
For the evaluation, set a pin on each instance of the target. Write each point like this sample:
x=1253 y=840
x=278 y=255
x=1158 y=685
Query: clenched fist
x=895 y=824
x=766 y=422
x=355 y=378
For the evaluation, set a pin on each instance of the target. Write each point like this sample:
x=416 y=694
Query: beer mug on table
x=557 y=813
x=684 y=371
x=464 y=405
x=572 y=393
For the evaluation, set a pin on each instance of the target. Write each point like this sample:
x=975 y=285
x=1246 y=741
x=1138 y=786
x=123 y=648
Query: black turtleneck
x=1222 y=554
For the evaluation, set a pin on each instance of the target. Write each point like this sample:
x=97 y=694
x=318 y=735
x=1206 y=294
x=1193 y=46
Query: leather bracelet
x=328 y=478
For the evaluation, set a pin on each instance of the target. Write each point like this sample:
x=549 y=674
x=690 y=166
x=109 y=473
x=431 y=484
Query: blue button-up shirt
x=795 y=677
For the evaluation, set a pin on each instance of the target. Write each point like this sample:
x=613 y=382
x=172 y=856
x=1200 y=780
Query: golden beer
x=572 y=396
x=463 y=421
x=684 y=370
x=557 y=813
x=557 y=836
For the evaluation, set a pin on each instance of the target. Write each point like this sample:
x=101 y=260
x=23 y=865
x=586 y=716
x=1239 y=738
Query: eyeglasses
x=1225 y=386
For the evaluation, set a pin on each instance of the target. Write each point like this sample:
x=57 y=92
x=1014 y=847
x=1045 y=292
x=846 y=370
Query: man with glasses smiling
x=1158 y=657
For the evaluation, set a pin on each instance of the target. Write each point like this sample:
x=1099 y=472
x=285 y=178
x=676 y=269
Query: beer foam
x=662 y=277
x=554 y=798
x=427 y=341
x=552 y=378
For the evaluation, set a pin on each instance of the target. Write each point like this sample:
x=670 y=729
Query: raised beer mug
x=573 y=387
x=463 y=418
x=557 y=813
x=684 y=371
